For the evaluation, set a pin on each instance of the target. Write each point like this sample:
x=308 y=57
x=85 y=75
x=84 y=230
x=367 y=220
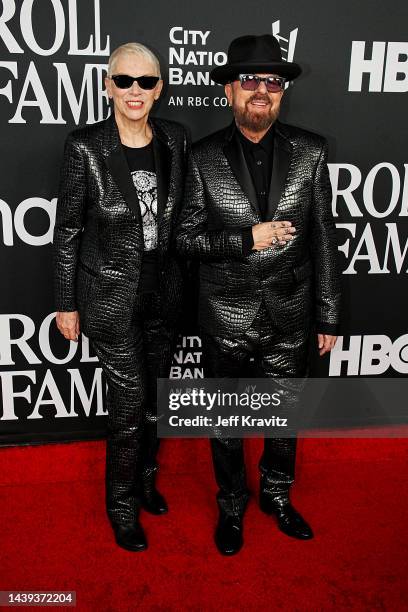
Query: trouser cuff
x=125 y=515
x=276 y=485
x=233 y=504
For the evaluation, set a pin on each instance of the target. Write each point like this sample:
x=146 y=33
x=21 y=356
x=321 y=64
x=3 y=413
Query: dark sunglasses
x=124 y=81
x=273 y=84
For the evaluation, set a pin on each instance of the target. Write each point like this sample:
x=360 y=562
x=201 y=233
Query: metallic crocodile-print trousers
x=131 y=366
x=277 y=354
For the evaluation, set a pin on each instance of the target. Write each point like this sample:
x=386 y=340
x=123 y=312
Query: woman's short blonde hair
x=137 y=49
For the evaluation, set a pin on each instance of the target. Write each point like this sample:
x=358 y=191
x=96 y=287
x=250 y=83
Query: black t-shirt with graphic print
x=142 y=168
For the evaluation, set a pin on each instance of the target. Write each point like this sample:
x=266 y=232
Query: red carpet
x=55 y=535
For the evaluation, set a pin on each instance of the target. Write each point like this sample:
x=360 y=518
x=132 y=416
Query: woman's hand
x=68 y=324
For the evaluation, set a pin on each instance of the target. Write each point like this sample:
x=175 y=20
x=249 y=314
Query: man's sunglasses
x=273 y=84
x=124 y=81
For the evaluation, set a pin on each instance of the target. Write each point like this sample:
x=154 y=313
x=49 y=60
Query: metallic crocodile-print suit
x=98 y=248
x=264 y=303
x=299 y=281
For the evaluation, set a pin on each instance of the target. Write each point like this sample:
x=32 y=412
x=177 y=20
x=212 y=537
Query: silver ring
x=274 y=240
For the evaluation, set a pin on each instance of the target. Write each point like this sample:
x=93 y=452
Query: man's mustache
x=259 y=98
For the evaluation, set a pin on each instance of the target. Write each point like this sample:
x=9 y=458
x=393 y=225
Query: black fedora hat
x=254 y=54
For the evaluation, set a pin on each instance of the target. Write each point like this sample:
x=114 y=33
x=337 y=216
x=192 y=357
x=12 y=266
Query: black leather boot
x=289 y=520
x=228 y=534
x=152 y=500
x=130 y=536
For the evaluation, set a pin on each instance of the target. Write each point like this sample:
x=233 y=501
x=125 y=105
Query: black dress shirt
x=259 y=159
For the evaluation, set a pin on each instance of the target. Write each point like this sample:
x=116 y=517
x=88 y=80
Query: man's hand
x=325 y=343
x=272 y=234
x=68 y=324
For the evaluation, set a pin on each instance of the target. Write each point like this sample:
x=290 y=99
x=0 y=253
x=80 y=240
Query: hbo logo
x=370 y=355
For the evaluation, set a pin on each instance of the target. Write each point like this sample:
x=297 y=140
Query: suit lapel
x=119 y=169
x=236 y=159
x=282 y=155
x=162 y=159
x=115 y=161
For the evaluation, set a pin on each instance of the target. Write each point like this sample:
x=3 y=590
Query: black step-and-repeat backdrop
x=53 y=59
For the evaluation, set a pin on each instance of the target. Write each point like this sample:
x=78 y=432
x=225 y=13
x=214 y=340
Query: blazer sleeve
x=68 y=225
x=324 y=248
x=193 y=236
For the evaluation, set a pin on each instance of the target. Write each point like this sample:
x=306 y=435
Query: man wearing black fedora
x=257 y=214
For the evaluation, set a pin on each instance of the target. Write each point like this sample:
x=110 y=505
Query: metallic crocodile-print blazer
x=299 y=282
x=98 y=236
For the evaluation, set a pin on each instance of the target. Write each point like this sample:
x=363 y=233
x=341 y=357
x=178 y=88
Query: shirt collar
x=266 y=142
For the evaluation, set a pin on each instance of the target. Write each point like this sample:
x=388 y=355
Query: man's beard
x=255 y=121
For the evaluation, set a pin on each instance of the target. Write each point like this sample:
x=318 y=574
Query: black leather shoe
x=154 y=502
x=289 y=520
x=228 y=534
x=130 y=536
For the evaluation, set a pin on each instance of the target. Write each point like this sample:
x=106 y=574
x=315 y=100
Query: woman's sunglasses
x=124 y=81
x=273 y=84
